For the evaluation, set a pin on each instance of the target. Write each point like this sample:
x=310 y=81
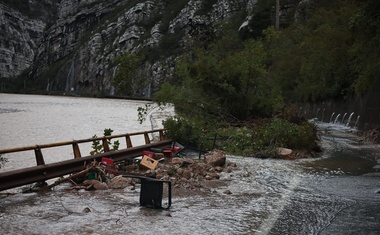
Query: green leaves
x=97 y=147
x=312 y=60
x=219 y=84
x=127 y=80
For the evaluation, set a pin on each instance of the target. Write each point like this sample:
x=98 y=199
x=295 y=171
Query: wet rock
x=177 y=161
x=200 y=169
x=231 y=164
x=215 y=158
x=186 y=174
x=151 y=173
x=283 y=151
x=86 y=210
x=218 y=169
x=120 y=182
x=228 y=169
x=228 y=192
x=179 y=171
x=160 y=173
x=96 y=184
x=212 y=176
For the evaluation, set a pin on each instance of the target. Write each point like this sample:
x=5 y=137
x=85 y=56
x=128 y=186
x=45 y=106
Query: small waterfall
x=344 y=115
x=317 y=113
x=113 y=89
x=332 y=115
x=349 y=119
x=323 y=114
x=70 y=78
x=336 y=119
x=357 y=121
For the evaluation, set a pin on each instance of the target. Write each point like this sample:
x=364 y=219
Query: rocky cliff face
x=19 y=38
x=77 y=53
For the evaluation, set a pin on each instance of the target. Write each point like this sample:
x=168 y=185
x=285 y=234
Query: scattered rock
x=186 y=174
x=86 y=210
x=120 y=182
x=212 y=176
x=177 y=161
x=227 y=192
x=215 y=158
x=283 y=151
x=183 y=172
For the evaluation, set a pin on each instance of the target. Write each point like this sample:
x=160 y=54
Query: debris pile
x=183 y=171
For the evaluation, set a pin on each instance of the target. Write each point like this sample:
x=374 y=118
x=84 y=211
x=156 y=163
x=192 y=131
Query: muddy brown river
x=337 y=193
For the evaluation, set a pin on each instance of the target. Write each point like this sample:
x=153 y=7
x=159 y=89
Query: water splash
x=336 y=119
x=323 y=114
x=344 y=115
x=349 y=119
x=357 y=121
x=332 y=115
x=317 y=113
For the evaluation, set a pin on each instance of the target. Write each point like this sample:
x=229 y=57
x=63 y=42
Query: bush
x=266 y=136
x=283 y=133
x=245 y=140
x=183 y=131
x=97 y=147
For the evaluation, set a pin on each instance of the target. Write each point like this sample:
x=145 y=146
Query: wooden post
x=39 y=157
x=161 y=135
x=106 y=148
x=147 y=140
x=128 y=141
x=76 y=151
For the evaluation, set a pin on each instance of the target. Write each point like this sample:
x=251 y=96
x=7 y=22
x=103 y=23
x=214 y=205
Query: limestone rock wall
x=77 y=51
x=19 y=38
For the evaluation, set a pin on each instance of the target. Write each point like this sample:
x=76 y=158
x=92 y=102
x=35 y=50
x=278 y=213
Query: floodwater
x=29 y=120
x=337 y=193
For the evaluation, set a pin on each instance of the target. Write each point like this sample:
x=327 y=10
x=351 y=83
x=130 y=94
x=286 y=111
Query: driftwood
x=92 y=166
x=87 y=187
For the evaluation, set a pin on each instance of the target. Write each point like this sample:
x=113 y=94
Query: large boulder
x=283 y=151
x=215 y=158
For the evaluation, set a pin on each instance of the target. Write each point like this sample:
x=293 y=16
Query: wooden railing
x=75 y=144
x=43 y=172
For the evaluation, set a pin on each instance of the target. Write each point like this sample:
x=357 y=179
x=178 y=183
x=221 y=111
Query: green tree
x=365 y=25
x=310 y=61
x=127 y=79
x=221 y=85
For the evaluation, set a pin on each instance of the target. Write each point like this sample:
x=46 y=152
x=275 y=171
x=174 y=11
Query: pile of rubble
x=183 y=172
